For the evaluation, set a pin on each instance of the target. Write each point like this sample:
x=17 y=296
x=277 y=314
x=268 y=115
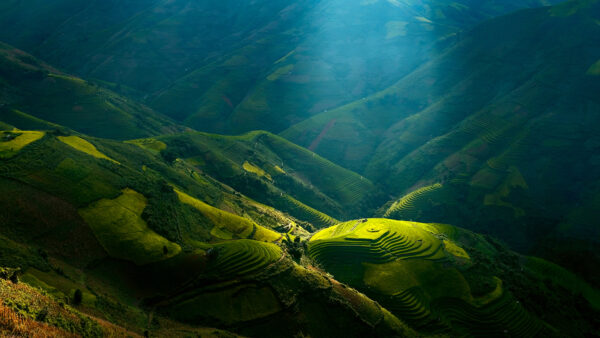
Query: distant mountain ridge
x=231 y=67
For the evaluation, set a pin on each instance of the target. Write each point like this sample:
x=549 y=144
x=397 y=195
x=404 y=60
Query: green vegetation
x=408 y=206
x=13 y=141
x=421 y=113
x=149 y=144
x=279 y=72
x=40 y=97
x=27 y=311
x=594 y=69
x=249 y=167
x=564 y=278
x=84 y=146
x=227 y=225
x=118 y=225
x=241 y=257
x=276 y=172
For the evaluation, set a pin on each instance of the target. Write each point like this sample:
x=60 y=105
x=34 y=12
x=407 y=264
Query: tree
x=77 y=297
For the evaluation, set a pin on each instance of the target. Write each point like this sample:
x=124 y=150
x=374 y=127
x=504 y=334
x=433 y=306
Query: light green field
x=150 y=144
x=228 y=225
x=379 y=241
x=251 y=168
x=119 y=227
x=11 y=142
x=82 y=145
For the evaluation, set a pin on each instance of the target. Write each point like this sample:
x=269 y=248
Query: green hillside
x=275 y=172
x=102 y=217
x=373 y=168
x=35 y=95
x=134 y=230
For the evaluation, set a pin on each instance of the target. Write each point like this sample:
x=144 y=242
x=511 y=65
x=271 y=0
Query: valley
x=308 y=169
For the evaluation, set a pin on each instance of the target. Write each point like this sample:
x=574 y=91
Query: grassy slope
x=118 y=225
x=32 y=90
x=27 y=311
x=267 y=168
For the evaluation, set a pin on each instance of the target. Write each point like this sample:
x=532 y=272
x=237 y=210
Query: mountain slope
x=272 y=65
x=506 y=121
x=103 y=217
x=276 y=172
x=143 y=234
x=32 y=91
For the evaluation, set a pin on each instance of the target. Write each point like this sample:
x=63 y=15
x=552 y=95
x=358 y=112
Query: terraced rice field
x=412 y=306
x=513 y=154
x=504 y=316
x=227 y=225
x=241 y=257
x=489 y=128
x=375 y=241
x=305 y=212
x=414 y=270
x=408 y=206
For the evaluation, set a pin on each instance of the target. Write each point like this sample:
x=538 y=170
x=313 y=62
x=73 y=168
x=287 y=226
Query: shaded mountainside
x=506 y=121
x=32 y=92
x=232 y=67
